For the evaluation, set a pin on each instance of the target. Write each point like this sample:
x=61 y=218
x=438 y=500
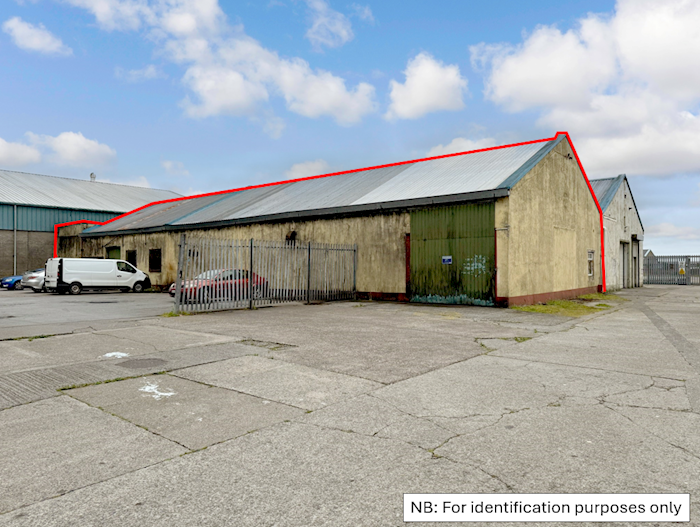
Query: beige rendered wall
x=381 y=255
x=545 y=229
x=621 y=223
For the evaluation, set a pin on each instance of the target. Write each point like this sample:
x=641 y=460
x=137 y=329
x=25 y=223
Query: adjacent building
x=31 y=204
x=624 y=233
x=509 y=225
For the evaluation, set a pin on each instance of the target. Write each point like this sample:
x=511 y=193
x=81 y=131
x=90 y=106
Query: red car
x=221 y=284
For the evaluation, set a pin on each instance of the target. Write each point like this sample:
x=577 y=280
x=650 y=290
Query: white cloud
x=430 y=86
x=307 y=168
x=115 y=14
x=146 y=73
x=229 y=73
x=363 y=12
x=17 y=154
x=329 y=28
x=175 y=168
x=242 y=74
x=34 y=38
x=669 y=230
x=461 y=144
x=74 y=149
x=626 y=86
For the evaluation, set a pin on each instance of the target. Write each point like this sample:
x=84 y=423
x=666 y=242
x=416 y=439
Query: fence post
x=250 y=277
x=308 y=277
x=178 y=277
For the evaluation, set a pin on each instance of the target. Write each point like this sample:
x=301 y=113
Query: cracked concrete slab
x=370 y=416
x=164 y=339
x=583 y=449
x=621 y=341
x=678 y=428
x=36 y=384
x=653 y=397
x=491 y=385
x=192 y=414
x=345 y=341
x=288 y=474
x=280 y=381
x=52 y=447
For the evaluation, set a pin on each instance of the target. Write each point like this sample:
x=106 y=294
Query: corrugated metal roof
x=21 y=188
x=605 y=189
x=453 y=177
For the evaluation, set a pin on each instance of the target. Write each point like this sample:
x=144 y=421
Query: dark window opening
x=154 y=260
x=131 y=257
x=291 y=237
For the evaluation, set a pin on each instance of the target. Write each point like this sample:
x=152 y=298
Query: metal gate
x=216 y=274
x=672 y=270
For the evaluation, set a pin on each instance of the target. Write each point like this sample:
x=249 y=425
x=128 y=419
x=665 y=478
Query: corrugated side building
x=624 y=233
x=31 y=204
x=516 y=224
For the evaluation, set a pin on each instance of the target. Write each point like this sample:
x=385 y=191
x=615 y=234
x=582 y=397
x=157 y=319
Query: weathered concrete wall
x=381 y=255
x=544 y=232
x=621 y=224
x=33 y=249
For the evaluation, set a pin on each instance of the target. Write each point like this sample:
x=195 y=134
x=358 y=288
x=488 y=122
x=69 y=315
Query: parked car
x=221 y=283
x=34 y=279
x=12 y=282
x=72 y=275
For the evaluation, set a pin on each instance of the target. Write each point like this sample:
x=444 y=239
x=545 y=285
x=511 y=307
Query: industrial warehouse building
x=624 y=233
x=31 y=204
x=515 y=224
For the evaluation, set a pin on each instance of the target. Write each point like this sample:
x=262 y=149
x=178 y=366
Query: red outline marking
x=600 y=211
x=221 y=192
x=57 y=225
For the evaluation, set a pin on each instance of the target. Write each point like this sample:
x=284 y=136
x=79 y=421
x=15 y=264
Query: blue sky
x=200 y=95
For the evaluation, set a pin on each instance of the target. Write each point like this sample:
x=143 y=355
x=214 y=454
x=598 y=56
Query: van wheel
x=138 y=287
x=75 y=288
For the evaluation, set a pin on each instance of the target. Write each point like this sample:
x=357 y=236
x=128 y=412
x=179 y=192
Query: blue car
x=12 y=282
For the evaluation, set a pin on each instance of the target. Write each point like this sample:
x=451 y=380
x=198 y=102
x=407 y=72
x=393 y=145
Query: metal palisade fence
x=215 y=274
x=672 y=270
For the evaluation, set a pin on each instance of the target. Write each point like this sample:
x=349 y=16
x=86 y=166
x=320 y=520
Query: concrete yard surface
x=326 y=415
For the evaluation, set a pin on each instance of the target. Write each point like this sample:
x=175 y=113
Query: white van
x=72 y=275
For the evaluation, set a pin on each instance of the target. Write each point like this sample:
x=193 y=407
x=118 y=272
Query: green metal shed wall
x=42 y=219
x=464 y=232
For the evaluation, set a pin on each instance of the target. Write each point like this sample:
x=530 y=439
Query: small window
x=131 y=257
x=154 y=260
x=591 y=264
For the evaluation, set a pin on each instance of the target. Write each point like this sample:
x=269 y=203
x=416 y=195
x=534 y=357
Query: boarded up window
x=131 y=257
x=114 y=253
x=154 y=260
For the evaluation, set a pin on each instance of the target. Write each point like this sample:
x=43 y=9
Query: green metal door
x=114 y=253
x=452 y=254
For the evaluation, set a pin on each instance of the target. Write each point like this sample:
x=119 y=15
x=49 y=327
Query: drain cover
x=137 y=364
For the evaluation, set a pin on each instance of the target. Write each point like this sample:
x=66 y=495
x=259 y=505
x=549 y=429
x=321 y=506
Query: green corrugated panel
x=463 y=232
x=43 y=219
x=6 y=217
